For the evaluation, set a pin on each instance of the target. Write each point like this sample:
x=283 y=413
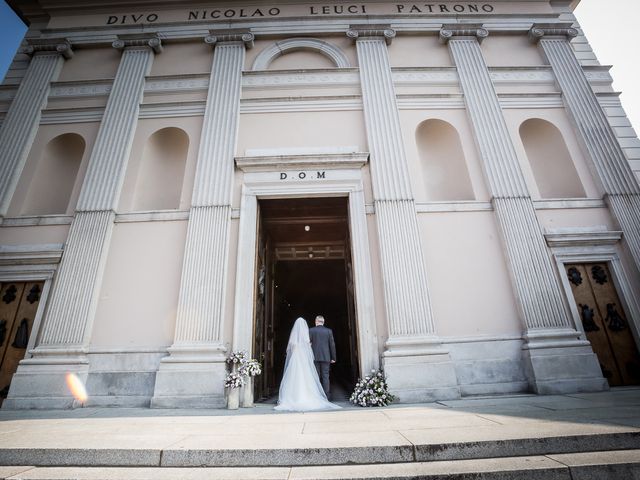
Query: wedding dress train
x=300 y=389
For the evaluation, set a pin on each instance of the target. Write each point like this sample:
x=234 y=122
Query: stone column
x=193 y=373
x=23 y=118
x=555 y=358
x=621 y=190
x=66 y=329
x=417 y=366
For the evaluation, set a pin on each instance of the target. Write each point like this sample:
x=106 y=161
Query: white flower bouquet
x=234 y=380
x=372 y=391
x=250 y=368
x=236 y=358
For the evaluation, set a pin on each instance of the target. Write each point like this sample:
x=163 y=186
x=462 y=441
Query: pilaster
x=555 y=357
x=622 y=192
x=418 y=368
x=193 y=373
x=23 y=118
x=69 y=318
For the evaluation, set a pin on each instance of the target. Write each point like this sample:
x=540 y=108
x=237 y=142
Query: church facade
x=453 y=185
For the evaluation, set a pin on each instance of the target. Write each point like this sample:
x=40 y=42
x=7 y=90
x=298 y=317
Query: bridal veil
x=300 y=389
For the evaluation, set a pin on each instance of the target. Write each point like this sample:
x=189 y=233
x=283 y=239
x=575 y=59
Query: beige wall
x=301 y=129
x=139 y=294
x=419 y=51
x=91 y=64
x=581 y=217
x=511 y=51
x=183 y=58
x=33 y=235
x=469 y=282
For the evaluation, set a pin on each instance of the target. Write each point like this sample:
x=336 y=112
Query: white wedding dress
x=300 y=389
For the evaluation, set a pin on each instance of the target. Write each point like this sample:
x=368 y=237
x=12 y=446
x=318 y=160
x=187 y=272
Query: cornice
x=326 y=160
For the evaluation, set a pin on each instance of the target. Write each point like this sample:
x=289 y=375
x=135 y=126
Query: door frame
x=599 y=246
x=31 y=263
x=342 y=176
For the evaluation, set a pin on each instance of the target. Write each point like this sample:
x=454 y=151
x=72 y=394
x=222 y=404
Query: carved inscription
x=233 y=12
x=303 y=175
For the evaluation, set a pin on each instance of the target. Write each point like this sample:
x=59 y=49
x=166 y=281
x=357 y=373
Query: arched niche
x=161 y=171
x=550 y=160
x=54 y=177
x=270 y=53
x=444 y=169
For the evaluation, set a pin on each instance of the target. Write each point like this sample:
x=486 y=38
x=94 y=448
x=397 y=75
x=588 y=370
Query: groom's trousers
x=323 y=373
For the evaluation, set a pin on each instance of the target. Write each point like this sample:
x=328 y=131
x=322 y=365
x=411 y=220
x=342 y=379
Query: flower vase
x=233 y=398
x=246 y=393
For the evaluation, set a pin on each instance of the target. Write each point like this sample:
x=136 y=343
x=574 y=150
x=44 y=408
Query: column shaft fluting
x=201 y=304
x=102 y=183
x=22 y=120
x=621 y=188
x=76 y=288
x=406 y=293
x=537 y=287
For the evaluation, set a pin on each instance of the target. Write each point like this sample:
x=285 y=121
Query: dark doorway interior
x=304 y=270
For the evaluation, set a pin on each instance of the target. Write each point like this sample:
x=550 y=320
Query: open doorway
x=303 y=270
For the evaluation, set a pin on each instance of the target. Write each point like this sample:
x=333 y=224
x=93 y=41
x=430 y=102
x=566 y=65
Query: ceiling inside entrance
x=306 y=228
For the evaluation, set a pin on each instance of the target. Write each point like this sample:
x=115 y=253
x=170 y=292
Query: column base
x=40 y=381
x=419 y=369
x=192 y=376
x=557 y=361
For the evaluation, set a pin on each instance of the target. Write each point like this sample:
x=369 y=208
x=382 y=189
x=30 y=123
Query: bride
x=300 y=389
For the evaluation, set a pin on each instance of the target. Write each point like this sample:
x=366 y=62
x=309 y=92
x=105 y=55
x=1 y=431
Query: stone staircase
x=580 y=437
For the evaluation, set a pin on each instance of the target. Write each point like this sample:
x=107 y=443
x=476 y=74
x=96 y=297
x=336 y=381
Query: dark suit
x=324 y=352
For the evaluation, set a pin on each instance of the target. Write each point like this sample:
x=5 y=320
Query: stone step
x=618 y=465
x=197 y=454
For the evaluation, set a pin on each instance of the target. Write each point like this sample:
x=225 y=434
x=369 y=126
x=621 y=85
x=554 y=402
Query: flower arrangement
x=250 y=368
x=240 y=367
x=234 y=380
x=236 y=358
x=372 y=391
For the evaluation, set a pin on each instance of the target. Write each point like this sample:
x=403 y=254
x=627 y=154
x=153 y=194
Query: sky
x=610 y=26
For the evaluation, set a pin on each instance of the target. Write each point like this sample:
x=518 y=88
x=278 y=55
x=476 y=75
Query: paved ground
x=479 y=428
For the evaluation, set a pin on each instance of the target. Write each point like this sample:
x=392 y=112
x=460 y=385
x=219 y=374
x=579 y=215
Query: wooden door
x=18 y=305
x=605 y=322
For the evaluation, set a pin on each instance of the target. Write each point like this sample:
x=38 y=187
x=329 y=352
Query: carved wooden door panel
x=604 y=322
x=18 y=305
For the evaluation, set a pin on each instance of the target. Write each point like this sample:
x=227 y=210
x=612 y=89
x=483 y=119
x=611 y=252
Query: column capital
x=476 y=30
x=224 y=36
x=358 y=31
x=540 y=30
x=151 y=40
x=59 y=45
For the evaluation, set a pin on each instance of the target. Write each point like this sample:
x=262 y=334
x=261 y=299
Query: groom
x=324 y=351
